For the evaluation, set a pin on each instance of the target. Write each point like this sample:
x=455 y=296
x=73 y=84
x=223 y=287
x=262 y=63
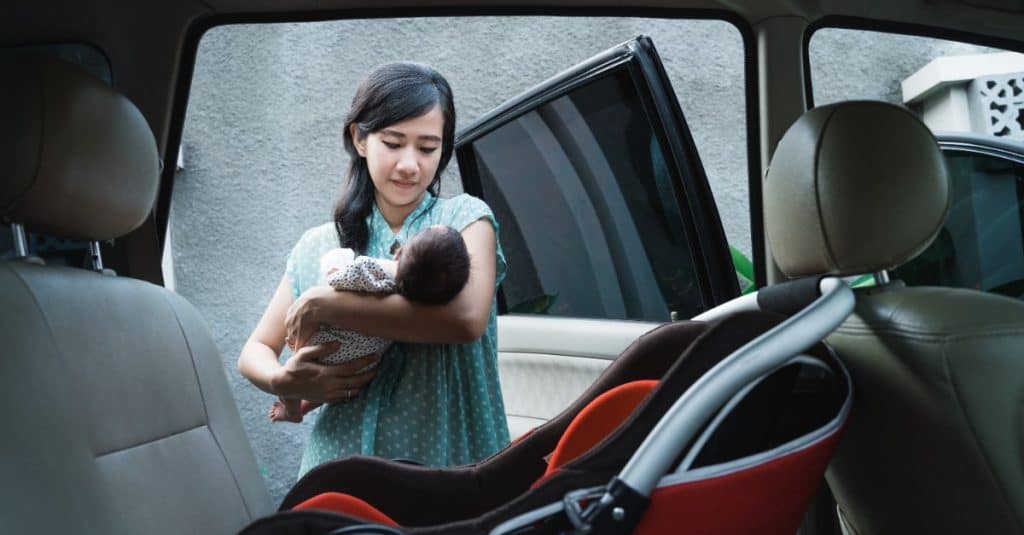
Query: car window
x=264 y=160
x=981 y=244
x=592 y=225
x=261 y=138
x=969 y=96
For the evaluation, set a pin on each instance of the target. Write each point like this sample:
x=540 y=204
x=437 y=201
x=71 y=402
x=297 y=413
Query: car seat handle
x=713 y=390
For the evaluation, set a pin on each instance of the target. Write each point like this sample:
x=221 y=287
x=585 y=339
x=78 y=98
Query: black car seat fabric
x=506 y=474
x=476 y=499
x=118 y=414
x=934 y=443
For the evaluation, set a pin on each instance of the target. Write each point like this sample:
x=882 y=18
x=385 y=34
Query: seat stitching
x=49 y=326
x=974 y=439
x=42 y=312
x=31 y=292
x=202 y=397
x=927 y=336
x=944 y=341
x=526 y=416
x=150 y=441
x=34 y=178
x=816 y=183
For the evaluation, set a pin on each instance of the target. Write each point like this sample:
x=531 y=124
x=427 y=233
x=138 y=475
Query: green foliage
x=536 y=305
x=744 y=270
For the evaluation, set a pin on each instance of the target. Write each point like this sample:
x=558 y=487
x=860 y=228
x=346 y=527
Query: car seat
x=935 y=445
x=118 y=416
x=733 y=437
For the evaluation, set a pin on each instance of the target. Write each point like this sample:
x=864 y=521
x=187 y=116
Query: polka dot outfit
x=360 y=274
x=439 y=404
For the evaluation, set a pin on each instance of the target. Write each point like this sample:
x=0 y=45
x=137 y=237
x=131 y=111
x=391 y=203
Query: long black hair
x=391 y=93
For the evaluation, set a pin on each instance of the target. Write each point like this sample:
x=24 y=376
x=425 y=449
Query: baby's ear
x=398 y=253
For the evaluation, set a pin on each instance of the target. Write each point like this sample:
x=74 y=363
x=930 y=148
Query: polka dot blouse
x=439 y=404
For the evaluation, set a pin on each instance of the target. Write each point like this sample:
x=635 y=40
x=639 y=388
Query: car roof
x=151 y=45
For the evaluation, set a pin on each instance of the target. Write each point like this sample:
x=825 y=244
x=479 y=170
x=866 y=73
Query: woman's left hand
x=306 y=314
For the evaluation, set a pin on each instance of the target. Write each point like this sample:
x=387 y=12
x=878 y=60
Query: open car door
x=606 y=219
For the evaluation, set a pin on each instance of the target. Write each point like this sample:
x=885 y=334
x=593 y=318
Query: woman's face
x=402 y=158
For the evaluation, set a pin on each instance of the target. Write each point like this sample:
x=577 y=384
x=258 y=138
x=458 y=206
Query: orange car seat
x=733 y=438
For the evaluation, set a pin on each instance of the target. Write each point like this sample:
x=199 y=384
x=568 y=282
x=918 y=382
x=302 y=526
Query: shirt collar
x=376 y=220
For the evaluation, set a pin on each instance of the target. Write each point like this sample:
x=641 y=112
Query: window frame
x=981 y=144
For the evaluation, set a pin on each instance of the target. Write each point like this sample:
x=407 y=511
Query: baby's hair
x=433 y=267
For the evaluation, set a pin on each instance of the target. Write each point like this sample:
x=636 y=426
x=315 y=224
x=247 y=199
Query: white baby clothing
x=341 y=269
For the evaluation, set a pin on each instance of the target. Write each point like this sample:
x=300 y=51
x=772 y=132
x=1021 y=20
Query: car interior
x=709 y=400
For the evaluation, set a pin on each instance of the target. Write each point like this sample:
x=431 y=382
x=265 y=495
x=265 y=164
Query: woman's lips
x=403 y=185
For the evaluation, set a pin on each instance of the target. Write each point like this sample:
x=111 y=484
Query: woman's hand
x=305 y=315
x=302 y=375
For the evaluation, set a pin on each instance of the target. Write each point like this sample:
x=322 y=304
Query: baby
x=431 y=269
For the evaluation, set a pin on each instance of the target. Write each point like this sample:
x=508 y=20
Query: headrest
x=854 y=187
x=79 y=159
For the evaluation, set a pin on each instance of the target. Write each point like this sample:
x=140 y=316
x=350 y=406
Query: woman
x=434 y=397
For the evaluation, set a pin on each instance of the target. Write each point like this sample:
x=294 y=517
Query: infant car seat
x=733 y=438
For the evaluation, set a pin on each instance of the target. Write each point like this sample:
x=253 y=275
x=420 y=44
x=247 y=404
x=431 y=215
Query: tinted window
x=981 y=245
x=590 y=227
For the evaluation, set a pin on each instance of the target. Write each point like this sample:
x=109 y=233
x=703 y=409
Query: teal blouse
x=438 y=404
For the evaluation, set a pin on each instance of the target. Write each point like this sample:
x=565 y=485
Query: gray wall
x=263 y=157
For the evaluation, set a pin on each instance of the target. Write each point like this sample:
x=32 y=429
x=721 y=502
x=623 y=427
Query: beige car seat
x=935 y=442
x=117 y=413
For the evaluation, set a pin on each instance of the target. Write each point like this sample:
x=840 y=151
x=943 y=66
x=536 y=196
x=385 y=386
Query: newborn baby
x=431 y=268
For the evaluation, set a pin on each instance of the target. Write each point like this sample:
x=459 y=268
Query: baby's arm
x=365 y=274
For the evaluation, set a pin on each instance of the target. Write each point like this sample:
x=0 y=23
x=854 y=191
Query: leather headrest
x=79 y=160
x=854 y=187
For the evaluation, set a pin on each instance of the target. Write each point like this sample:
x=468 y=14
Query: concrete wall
x=263 y=158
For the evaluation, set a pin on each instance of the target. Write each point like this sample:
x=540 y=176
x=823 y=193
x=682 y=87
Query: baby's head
x=433 y=266
x=333 y=260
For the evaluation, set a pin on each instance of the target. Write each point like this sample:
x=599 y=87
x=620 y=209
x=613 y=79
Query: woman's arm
x=259 y=359
x=464 y=319
x=302 y=376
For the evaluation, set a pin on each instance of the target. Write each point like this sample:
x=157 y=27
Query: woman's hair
x=391 y=93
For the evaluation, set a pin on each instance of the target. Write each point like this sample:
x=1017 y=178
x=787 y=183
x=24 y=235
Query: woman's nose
x=406 y=162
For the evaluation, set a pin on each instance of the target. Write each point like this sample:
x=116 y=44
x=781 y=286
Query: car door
x=605 y=217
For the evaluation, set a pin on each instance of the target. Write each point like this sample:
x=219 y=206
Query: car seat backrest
x=933 y=445
x=119 y=418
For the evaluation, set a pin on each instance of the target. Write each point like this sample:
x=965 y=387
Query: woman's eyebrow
x=396 y=133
